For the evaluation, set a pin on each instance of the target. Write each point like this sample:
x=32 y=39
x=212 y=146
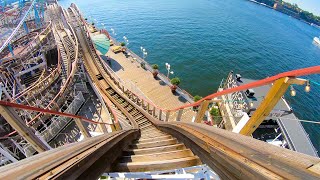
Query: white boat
x=316 y=40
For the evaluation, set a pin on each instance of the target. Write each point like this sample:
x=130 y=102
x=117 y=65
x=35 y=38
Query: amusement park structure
x=66 y=113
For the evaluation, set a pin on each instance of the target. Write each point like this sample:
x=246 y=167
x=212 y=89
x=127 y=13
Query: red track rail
x=269 y=80
x=45 y=111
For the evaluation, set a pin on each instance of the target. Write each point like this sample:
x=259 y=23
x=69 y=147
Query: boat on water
x=316 y=40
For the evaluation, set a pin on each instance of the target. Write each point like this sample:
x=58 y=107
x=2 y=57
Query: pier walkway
x=144 y=84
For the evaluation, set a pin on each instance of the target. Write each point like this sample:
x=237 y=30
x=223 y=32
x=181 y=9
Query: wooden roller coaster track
x=152 y=144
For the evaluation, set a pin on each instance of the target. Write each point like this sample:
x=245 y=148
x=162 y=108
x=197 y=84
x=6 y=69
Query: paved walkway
x=154 y=89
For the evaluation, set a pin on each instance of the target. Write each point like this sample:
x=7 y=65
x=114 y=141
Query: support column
x=167 y=116
x=37 y=133
x=160 y=114
x=19 y=125
x=7 y=155
x=36 y=15
x=202 y=110
x=154 y=111
x=178 y=118
x=10 y=49
x=19 y=147
x=104 y=128
x=148 y=108
x=275 y=93
x=25 y=27
x=117 y=126
x=81 y=127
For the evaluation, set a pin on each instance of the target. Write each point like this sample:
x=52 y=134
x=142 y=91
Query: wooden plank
x=156 y=149
x=155 y=143
x=143 y=140
x=158 y=156
x=158 y=165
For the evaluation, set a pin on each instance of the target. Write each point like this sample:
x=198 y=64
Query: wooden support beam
x=278 y=89
x=148 y=108
x=83 y=129
x=298 y=81
x=167 y=116
x=104 y=128
x=117 y=126
x=160 y=114
x=178 y=118
x=154 y=111
x=202 y=110
x=19 y=125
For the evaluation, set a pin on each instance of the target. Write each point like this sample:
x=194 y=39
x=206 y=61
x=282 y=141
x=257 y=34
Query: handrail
x=293 y=73
x=269 y=80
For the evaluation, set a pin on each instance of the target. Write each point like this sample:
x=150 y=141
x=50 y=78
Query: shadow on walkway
x=115 y=66
x=162 y=83
x=180 y=98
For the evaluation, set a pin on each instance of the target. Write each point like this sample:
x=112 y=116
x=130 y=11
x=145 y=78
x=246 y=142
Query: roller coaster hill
x=66 y=114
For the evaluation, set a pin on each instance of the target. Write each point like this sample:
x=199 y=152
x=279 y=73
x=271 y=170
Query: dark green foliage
x=143 y=65
x=293 y=10
x=215 y=113
x=175 y=81
x=196 y=98
x=155 y=66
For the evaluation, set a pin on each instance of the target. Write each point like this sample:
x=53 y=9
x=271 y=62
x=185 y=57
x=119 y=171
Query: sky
x=308 y=5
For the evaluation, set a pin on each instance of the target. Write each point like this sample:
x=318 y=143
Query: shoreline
x=265 y=5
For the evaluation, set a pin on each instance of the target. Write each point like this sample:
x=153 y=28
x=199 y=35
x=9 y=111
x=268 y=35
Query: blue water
x=205 y=39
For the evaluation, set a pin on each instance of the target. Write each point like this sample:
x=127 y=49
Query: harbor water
x=204 y=40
